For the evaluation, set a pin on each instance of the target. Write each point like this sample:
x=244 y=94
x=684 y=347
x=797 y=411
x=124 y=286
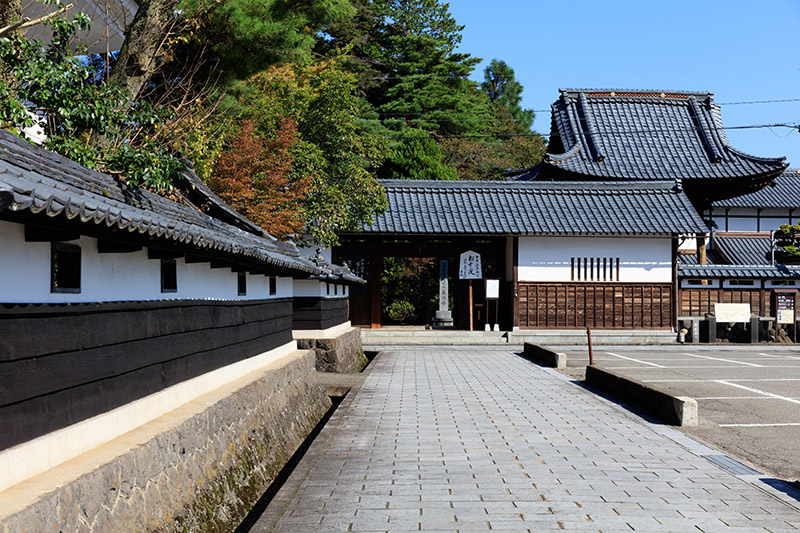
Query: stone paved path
x=477 y=439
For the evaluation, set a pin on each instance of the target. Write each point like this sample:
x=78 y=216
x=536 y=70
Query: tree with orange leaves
x=254 y=176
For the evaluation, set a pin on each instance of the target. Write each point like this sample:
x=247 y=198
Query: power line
x=619 y=132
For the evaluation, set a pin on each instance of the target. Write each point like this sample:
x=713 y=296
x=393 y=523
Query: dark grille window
x=169 y=276
x=242 y=283
x=65 y=268
x=273 y=285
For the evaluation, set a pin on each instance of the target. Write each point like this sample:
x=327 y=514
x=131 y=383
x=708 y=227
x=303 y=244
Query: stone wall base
x=341 y=353
x=200 y=467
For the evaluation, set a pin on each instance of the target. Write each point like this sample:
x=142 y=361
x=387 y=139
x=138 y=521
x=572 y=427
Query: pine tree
x=417 y=157
x=503 y=89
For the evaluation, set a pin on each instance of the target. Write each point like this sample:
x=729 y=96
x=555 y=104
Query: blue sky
x=741 y=51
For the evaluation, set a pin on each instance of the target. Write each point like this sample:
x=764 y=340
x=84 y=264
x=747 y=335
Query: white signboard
x=470 y=266
x=732 y=312
x=785 y=316
x=492 y=289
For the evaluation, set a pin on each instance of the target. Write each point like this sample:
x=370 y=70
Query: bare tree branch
x=27 y=23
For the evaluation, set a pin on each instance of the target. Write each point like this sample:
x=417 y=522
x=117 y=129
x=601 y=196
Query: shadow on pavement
x=791 y=489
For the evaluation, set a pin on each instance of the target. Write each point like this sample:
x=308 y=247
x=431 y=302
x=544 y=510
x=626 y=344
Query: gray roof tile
x=645 y=135
x=521 y=208
x=784 y=193
x=744 y=249
x=738 y=271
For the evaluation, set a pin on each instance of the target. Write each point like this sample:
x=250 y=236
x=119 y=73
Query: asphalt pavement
x=748 y=396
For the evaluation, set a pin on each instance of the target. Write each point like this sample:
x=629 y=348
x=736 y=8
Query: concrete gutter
x=543 y=356
x=675 y=410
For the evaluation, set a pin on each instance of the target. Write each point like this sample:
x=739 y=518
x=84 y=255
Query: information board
x=492 y=289
x=732 y=312
x=784 y=305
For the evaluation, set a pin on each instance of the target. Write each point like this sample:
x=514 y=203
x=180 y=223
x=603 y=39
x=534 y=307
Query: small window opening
x=65 y=268
x=242 y=283
x=169 y=276
x=273 y=285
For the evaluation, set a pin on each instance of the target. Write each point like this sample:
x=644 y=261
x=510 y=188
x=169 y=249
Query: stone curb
x=543 y=356
x=675 y=410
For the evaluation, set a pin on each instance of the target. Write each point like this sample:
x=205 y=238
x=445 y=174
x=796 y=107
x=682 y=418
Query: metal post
x=591 y=355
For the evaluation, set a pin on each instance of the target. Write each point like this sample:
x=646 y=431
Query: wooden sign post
x=470 y=268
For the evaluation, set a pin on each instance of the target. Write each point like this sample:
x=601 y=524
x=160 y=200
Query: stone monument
x=444 y=317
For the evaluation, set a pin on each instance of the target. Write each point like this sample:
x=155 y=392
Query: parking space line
x=709 y=380
x=721 y=359
x=779 y=356
x=771 y=395
x=759 y=425
x=736 y=398
x=635 y=360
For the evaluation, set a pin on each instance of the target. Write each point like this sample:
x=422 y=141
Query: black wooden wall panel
x=117 y=353
x=319 y=313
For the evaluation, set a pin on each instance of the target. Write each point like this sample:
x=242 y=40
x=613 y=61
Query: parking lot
x=748 y=396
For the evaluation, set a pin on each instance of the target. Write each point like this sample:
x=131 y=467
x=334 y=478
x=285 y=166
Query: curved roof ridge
x=758 y=159
x=541 y=185
x=635 y=93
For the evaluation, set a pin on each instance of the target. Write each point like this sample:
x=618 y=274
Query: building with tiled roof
x=601 y=134
x=120 y=305
x=535 y=208
x=760 y=211
x=565 y=254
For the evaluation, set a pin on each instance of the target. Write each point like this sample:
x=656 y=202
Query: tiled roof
x=737 y=255
x=744 y=249
x=38 y=185
x=644 y=135
x=523 y=208
x=783 y=193
x=738 y=271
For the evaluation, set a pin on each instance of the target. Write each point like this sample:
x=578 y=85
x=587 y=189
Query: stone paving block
x=466 y=439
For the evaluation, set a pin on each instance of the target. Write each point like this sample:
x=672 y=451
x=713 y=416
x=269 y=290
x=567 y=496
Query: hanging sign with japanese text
x=470 y=266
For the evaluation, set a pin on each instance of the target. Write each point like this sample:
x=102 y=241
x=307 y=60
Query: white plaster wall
x=25 y=275
x=642 y=259
x=313 y=288
x=739 y=224
x=746 y=219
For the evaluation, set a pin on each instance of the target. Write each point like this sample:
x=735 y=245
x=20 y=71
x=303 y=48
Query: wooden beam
x=42 y=234
x=157 y=253
x=190 y=259
x=221 y=263
x=116 y=247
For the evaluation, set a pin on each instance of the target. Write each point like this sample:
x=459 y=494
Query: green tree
x=503 y=89
x=338 y=154
x=506 y=146
x=238 y=38
x=417 y=157
x=424 y=81
x=63 y=96
x=787 y=241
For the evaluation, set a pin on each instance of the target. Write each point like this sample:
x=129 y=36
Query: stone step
x=385 y=336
